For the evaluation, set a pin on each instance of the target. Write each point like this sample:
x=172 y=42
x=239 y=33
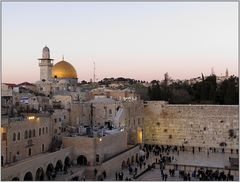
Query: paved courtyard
x=215 y=160
x=155 y=175
x=72 y=172
x=218 y=160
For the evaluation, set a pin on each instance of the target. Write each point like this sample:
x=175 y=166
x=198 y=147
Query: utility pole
x=91 y=118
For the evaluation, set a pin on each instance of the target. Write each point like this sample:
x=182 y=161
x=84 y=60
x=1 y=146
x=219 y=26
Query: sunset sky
x=135 y=40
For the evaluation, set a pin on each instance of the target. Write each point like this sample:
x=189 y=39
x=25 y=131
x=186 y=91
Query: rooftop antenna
x=212 y=71
x=94 y=72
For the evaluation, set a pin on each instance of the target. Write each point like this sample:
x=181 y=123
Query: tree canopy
x=207 y=91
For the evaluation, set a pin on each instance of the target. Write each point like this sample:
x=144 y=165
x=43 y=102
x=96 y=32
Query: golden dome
x=63 y=69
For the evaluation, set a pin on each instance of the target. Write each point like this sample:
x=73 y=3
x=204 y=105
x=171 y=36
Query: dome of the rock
x=63 y=69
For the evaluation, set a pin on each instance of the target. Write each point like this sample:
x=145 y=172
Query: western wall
x=205 y=126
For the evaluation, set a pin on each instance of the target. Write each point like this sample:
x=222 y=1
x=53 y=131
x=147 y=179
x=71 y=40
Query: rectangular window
x=29 y=151
x=25 y=135
x=97 y=158
x=40 y=131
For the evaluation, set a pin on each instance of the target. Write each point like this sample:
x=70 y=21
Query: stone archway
x=123 y=164
x=59 y=166
x=132 y=161
x=28 y=177
x=67 y=162
x=16 y=179
x=39 y=174
x=49 y=171
x=82 y=160
x=128 y=162
x=136 y=157
x=2 y=161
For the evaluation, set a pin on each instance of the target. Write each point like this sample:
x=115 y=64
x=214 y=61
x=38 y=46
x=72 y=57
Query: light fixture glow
x=31 y=117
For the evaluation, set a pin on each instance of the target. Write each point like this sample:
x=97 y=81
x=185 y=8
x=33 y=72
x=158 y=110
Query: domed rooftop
x=63 y=69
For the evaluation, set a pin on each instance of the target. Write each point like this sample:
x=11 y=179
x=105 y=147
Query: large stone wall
x=191 y=125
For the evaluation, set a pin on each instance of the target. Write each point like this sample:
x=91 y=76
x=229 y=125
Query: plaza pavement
x=217 y=160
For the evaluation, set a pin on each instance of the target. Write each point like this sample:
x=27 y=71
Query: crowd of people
x=206 y=175
x=164 y=156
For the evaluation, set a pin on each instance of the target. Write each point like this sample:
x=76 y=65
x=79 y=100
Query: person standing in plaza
x=165 y=177
x=95 y=171
x=116 y=176
x=162 y=176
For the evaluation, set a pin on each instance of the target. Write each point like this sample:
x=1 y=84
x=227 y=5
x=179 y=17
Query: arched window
x=40 y=131
x=29 y=134
x=14 y=136
x=46 y=129
x=43 y=130
x=25 y=134
x=18 y=136
x=34 y=134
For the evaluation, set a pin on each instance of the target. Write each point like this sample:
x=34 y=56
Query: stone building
x=116 y=94
x=25 y=136
x=96 y=150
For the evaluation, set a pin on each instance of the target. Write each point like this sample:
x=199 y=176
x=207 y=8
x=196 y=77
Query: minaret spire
x=45 y=64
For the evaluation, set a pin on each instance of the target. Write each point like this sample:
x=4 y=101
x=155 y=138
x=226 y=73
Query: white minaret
x=45 y=64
